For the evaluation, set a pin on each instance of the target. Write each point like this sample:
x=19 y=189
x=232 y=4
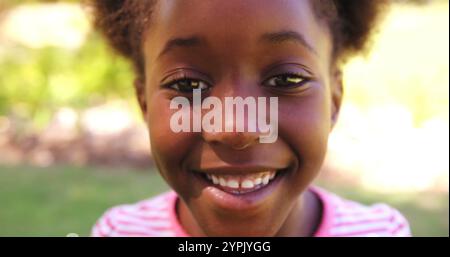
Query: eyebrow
x=284 y=36
x=186 y=42
x=278 y=37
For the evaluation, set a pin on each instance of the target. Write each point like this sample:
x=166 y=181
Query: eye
x=186 y=85
x=286 y=81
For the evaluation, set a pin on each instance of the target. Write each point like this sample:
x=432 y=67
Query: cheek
x=168 y=148
x=305 y=125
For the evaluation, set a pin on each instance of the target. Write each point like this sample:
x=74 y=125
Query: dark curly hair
x=351 y=23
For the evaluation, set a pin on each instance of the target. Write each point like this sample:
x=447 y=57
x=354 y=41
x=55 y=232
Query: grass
x=57 y=201
x=60 y=200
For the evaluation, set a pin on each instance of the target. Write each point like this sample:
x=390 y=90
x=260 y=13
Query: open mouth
x=238 y=188
x=241 y=184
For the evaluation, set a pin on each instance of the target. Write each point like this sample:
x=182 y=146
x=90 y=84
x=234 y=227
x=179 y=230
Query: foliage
x=34 y=82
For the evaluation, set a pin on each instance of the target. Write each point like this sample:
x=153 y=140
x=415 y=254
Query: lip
x=238 y=202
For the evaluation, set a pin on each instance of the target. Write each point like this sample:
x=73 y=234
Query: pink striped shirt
x=157 y=217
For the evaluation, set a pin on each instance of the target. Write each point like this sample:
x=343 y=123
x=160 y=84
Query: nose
x=230 y=135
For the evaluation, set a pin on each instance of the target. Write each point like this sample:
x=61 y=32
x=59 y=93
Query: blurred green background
x=391 y=143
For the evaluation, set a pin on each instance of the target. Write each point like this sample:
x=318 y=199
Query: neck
x=304 y=218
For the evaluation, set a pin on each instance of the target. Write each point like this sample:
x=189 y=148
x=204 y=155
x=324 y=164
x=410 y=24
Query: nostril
x=233 y=140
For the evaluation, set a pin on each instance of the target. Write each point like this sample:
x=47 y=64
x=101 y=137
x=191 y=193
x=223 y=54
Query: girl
x=228 y=183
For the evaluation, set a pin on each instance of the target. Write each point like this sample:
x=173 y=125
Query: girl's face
x=234 y=48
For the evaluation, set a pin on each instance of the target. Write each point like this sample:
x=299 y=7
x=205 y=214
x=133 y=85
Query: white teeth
x=215 y=179
x=247 y=184
x=233 y=183
x=222 y=182
x=265 y=179
x=242 y=181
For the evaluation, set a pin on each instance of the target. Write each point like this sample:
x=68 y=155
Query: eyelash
x=304 y=80
x=183 y=78
x=172 y=84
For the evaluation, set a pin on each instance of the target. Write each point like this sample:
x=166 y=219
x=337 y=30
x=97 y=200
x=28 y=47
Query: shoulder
x=150 y=217
x=344 y=217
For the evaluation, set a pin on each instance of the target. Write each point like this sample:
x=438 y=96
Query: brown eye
x=285 y=80
x=187 y=85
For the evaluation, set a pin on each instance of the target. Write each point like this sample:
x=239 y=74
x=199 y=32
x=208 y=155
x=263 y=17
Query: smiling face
x=257 y=48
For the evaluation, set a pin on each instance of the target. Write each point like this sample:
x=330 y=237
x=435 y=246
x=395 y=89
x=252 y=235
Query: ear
x=139 y=86
x=336 y=95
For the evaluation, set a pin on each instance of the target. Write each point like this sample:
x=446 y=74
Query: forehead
x=235 y=25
